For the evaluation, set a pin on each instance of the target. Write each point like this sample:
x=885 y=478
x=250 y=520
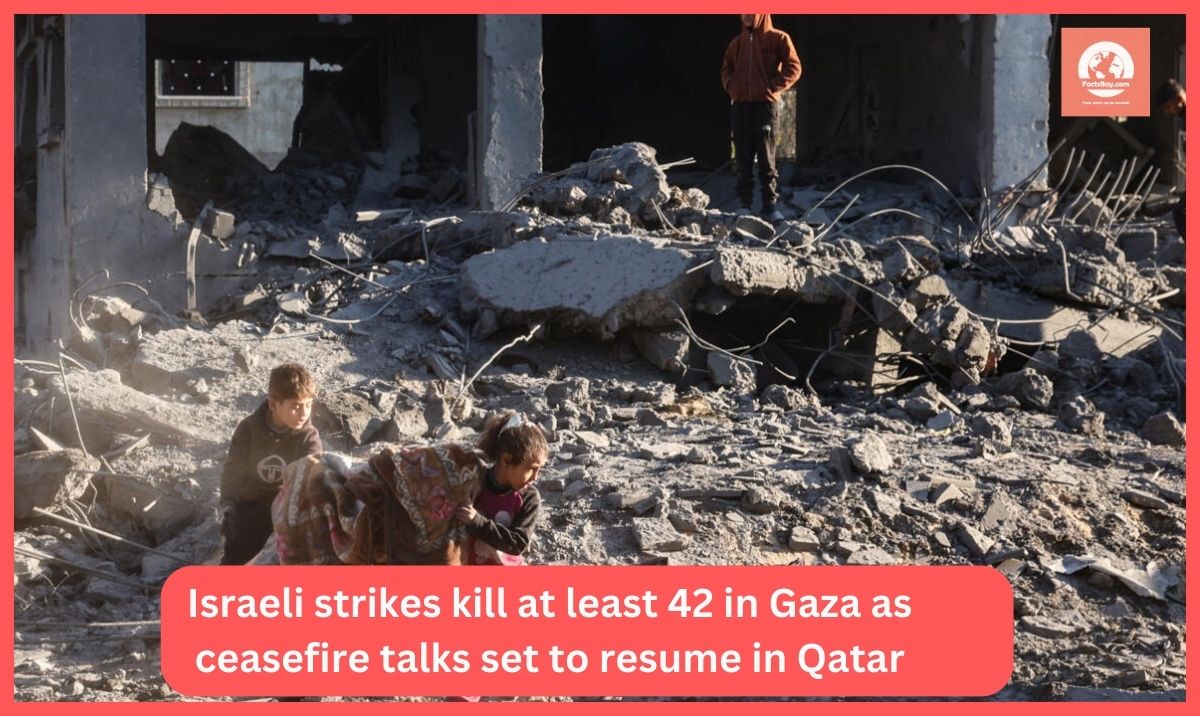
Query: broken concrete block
x=111 y=313
x=869 y=454
x=928 y=291
x=870 y=555
x=1144 y=499
x=293 y=302
x=99 y=590
x=654 y=534
x=885 y=505
x=1047 y=627
x=163 y=512
x=1080 y=414
x=667 y=350
x=1165 y=429
x=406 y=425
x=762 y=499
x=572 y=391
x=759 y=272
x=789 y=398
x=219 y=224
x=600 y=286
x=977 y=542
x=714 y=300
x=942 y=421
x=728 y=372
x=663 y=451
x=1045 y=361
x=349 y=415
x=901 y=266
x=802 y=539
x=1031 y=388
x=993 y=427
x=754 y=227
x=683 y=518
x=947 y=492
x=45 y=478
x=635 y=163
x=105 y=406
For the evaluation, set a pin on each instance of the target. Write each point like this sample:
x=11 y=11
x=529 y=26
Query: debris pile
x=896 y=376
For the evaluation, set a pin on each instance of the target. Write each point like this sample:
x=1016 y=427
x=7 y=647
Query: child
x=500 y=523
x=759 y=64
x=263 y=444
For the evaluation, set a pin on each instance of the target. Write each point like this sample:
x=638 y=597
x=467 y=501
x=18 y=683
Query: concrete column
x=44 y=286
x=508 y=120
x=105 y=128
x=1015 y=104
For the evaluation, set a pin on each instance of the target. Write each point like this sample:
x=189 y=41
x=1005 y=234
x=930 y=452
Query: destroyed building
x=964 y=345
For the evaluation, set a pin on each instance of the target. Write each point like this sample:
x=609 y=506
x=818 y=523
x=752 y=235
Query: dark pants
x=245 y=530
x=754 y=136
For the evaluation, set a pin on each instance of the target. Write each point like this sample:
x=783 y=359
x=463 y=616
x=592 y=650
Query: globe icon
x=1105 y=65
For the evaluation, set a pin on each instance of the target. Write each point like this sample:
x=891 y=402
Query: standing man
x=1172 y=100
x=759 y=64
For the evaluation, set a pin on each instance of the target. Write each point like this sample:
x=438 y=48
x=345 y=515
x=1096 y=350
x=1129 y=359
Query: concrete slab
x=599 y=286
x=1114 y=336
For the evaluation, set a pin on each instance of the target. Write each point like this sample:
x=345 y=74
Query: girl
x=500 y=523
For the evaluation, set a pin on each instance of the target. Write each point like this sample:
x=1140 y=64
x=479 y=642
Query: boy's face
x=1173 y=106
x=748 y=20
x=291 y=413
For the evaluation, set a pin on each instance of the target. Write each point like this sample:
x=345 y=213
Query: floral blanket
x=398 y=508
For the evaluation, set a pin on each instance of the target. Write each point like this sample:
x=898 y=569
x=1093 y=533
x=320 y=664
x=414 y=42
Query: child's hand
x=466 y=513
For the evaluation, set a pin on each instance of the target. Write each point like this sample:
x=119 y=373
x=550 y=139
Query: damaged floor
x=893 y=375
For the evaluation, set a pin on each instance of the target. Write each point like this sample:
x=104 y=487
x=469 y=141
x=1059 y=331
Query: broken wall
x=262 y=122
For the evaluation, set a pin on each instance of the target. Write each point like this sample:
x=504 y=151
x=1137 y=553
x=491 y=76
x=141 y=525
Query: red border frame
x=563 y=7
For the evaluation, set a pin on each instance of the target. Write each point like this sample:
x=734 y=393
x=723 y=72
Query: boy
x=275 y=434
x=759 y=64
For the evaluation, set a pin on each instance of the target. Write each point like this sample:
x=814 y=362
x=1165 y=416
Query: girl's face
x=518 y=475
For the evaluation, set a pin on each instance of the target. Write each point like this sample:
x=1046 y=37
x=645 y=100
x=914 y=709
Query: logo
x=270 y=468
x=1105 y=71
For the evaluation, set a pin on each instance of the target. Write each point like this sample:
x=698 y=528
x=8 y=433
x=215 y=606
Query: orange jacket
x=759 y=63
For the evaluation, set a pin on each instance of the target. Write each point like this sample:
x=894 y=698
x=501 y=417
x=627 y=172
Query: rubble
x=934 y=399
x=47 y=478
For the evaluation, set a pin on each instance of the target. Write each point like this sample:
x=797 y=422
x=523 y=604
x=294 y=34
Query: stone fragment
x=993 y=427
x=974 y=540
x=942 y=421
x=762 y=499
x=947 y=493
x=869 y=454
x=1047 y=627
x=666 y=350
x=870 y=555
x=654 y=534
x=803 y=539
x=1144 y=499
x=1028 y=386
x=789 y=398
x=1165 y=429
x=726 y=371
